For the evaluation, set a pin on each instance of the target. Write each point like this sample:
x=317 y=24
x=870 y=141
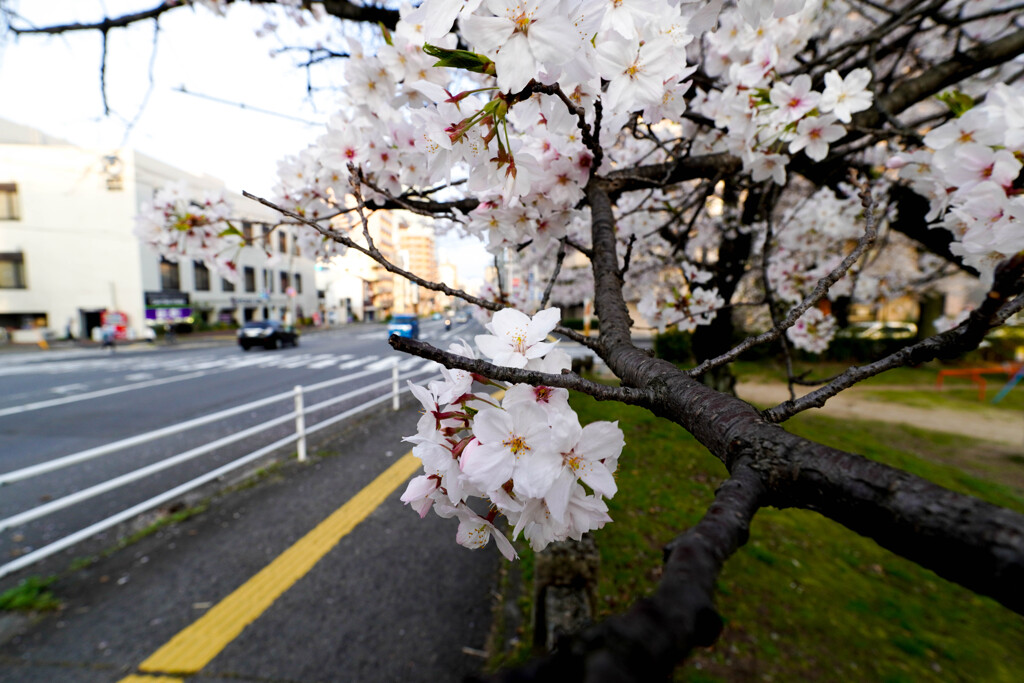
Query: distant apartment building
x=69 y=259
x=356 y=288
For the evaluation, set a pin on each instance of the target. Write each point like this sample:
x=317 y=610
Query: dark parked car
x=269 y=334
x=404 y=326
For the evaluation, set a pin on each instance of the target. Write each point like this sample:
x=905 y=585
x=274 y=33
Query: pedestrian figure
x=107 y=338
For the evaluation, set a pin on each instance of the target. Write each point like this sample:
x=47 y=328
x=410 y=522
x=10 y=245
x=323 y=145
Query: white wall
x=76 y=236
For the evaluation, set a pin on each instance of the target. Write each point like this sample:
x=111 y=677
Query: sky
x=53 y=84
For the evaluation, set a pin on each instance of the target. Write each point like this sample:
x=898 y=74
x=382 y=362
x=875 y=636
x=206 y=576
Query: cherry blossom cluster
x=813 y=331
x=404 y=123
x=766 y=113
x=180 y=227
x=676 y=299
x=524 y=457
x=971 y=176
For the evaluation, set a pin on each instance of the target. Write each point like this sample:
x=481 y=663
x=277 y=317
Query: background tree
x=703 y=158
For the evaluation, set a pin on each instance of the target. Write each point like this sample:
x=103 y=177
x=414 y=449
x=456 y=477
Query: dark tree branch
x=939 y=76
x=963 y=539
x=343 y=9
x=646 y=643
x=670 y=173
x=105 y=25
x=559 y=258
x=567 y=380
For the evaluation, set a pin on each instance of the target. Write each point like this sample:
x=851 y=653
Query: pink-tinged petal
x=599 y=478
x=492 y=425
x=504 y=545
x=557 y=498
x=551 y=40
x=601 y=440
x=536 y=471
x=488 y=466
x=486 y=34
x=417 y=494
x=490 y=345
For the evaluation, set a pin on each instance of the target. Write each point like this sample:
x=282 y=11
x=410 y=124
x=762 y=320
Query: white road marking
x=348 y=365
x=382 y=364
x=68 y=388
x=14 y=410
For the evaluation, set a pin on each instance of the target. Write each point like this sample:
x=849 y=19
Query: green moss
x=32 y=594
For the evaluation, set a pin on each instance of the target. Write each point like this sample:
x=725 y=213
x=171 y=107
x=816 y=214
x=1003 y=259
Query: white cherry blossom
x=516 y=338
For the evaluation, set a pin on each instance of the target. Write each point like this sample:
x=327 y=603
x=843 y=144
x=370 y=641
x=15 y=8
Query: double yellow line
x=194 y=647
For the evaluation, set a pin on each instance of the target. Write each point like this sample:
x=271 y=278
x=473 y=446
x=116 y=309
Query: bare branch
x=554 y=275
x=105 y=25
x=647 y=642
x=819 y=292
x=1002 y=302
x=343 y=9
x=390 y=267
x=567 y=380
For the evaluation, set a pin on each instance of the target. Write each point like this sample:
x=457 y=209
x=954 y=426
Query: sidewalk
x=395 y=599
x=984 y=424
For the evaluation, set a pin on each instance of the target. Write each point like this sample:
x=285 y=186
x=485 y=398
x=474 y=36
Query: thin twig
x=388 y=266
x=559 y=258
x=994 y=310
x=819 y=292
x=566 y=380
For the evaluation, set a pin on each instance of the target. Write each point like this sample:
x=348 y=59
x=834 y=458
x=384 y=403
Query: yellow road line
x=152 y=679
x=194 y=647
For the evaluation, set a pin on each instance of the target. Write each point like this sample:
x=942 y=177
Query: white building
x=68 y=256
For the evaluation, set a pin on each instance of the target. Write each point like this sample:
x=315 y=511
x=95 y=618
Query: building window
x=12 y=271
x=169 y=277
x=298 y=283
x=250 y=280
x=9 y=202
x=268 y=281
x=247 y=232
x=285 y=281
x=226 y=285
x=202 y=276
x=282 y=240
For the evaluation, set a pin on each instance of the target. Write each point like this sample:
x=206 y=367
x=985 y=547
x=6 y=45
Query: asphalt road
x=60 y=403
x=395 y=599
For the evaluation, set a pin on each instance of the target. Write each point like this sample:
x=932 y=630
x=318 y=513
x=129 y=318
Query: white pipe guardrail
x=301 y=432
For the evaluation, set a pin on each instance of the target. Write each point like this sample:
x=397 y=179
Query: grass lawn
x=807 y=599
